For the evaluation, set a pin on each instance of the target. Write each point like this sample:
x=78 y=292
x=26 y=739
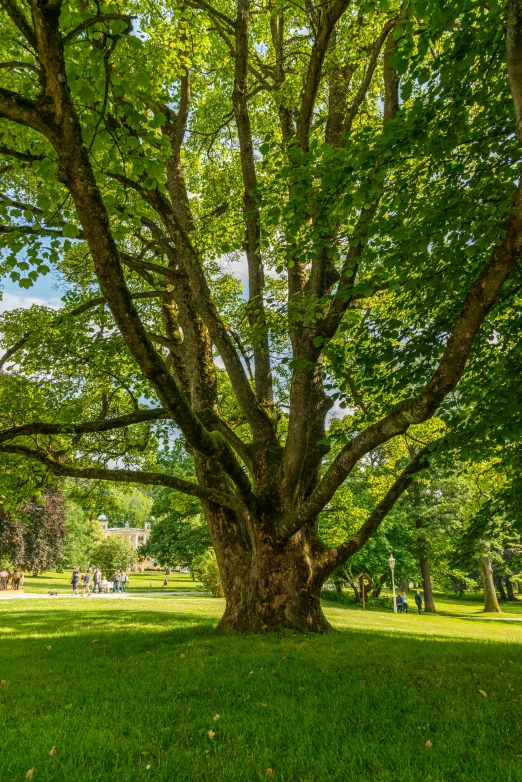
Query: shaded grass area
x=358 y=705
x=139 y=582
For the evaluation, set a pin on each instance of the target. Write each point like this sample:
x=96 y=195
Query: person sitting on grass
x=74 y=580
x=404 y=603
x=86 y=584
x=418 y=601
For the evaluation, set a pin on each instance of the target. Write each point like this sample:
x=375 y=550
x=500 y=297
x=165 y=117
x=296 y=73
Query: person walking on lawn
x=86 y=584
x=96 y=580
x=116 y=582
x=418 y=601
x=124 y=581
x=404 y=603
x=74 y=580
x=398 y=603
x=15 y=578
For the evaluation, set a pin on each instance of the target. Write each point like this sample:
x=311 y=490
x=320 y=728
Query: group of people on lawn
x=402 y=603
x=93 y=578
x=6 y=576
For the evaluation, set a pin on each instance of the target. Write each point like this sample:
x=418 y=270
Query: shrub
x=206 y=570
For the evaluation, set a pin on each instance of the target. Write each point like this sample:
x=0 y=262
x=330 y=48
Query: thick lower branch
x=125 y=476
x=86 y=427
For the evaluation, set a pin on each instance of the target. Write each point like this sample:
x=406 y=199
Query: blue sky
x=44 y=291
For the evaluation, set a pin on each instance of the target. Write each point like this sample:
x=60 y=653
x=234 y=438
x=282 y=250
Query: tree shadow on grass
x=356 y=705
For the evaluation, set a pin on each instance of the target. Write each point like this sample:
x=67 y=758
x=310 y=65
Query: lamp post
x=391 y=563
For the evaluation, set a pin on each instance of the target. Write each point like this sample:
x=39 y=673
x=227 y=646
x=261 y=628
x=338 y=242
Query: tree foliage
x=113 y=554
x=359 y=160
x=33 y=539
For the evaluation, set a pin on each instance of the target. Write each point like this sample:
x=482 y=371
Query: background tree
x=83 y=534
x=113 y=554
x=33 y=541
x=177 y=539
x=359 y=159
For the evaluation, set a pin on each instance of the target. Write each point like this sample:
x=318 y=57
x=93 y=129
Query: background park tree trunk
x=509 y=588
x=490 y=596
x=498 y=581
x=427 y=588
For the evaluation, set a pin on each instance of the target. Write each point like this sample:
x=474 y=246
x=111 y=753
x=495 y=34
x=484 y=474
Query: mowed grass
x=470 y=604
x=129 y=690
x=139 y=582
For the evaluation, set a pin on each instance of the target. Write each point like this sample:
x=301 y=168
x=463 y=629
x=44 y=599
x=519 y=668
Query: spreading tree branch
x=125 y=476
x=479 y=299
x=86 y=427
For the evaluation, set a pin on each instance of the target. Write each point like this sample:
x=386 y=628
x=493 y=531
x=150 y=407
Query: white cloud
x=15 y=301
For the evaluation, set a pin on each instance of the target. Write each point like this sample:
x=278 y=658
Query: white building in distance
x=137 y=536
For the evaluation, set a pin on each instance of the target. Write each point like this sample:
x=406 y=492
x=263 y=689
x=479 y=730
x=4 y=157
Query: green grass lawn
x=139 y=582
x=471 y=604
x=138 y=704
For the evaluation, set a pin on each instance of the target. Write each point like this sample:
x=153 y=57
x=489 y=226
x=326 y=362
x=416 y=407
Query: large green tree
x=361 y=159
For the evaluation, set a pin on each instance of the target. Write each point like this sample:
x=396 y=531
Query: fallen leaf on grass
x=182 y=656
x=211 y=734
x=269 y=772
x=148 y=767
x=29 y=773
x=188 y=709
x=264 y=705
x=3 y=683
x=48 y=647
x=484 y=694
x=216 y=717
x=428 y=744
x=95 y=641
x=302 y=689
x=52 y=753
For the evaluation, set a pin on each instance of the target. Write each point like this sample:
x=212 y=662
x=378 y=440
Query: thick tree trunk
x=276 y=590
x=427 y=588
x=490 y=596
x=267 y=586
